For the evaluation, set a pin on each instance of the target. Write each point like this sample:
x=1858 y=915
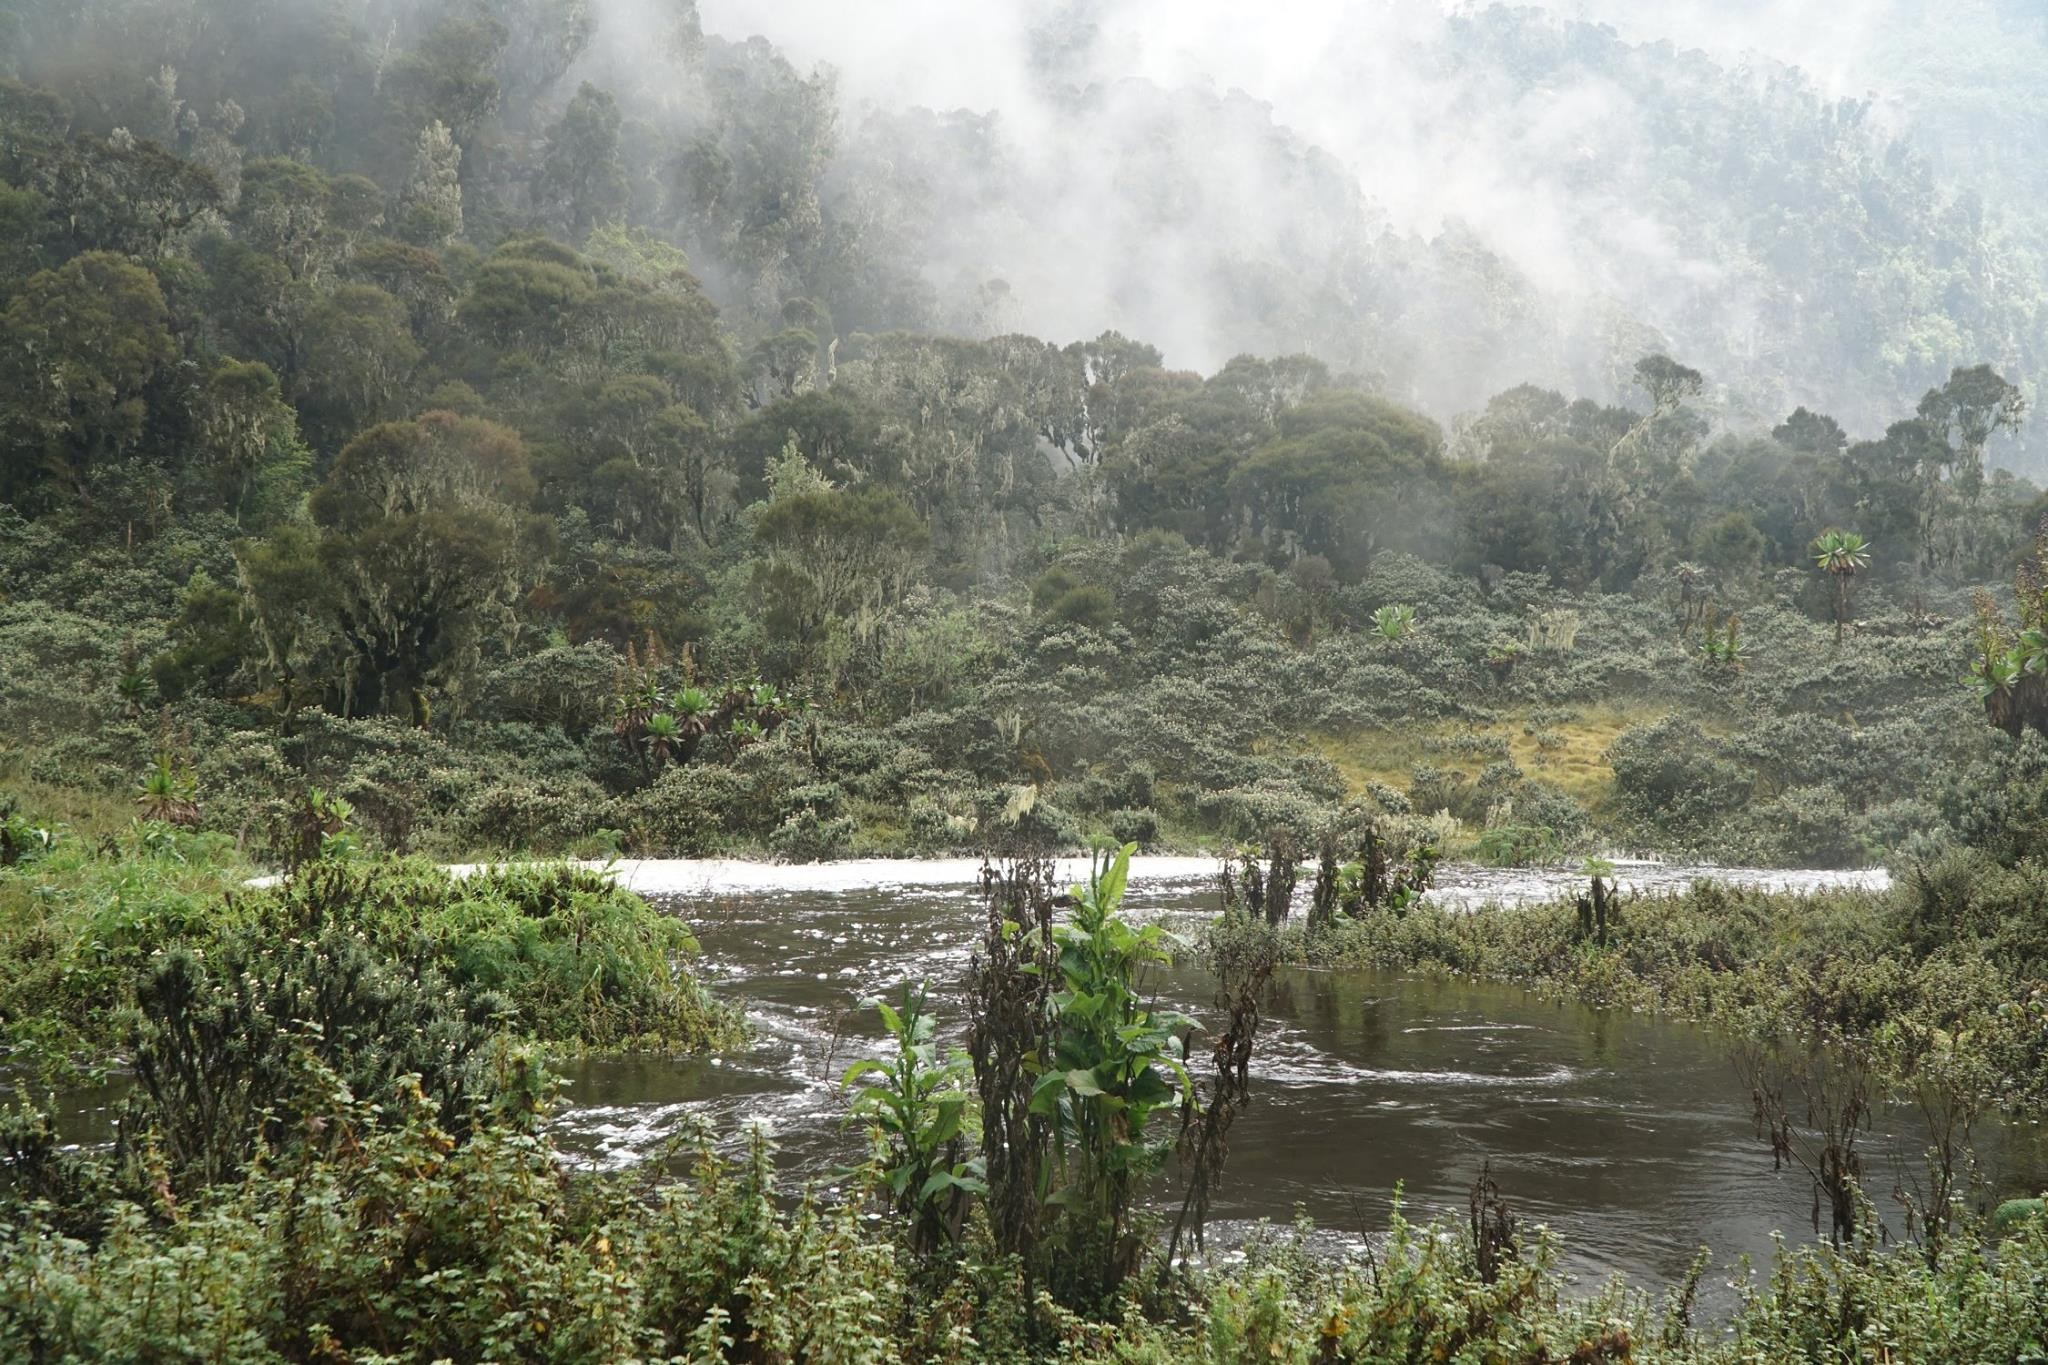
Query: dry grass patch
x=1565 y=747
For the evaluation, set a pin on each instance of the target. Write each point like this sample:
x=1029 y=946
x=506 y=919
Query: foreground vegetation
x=95 y=941
x=337 y=1188
x=381 y=1242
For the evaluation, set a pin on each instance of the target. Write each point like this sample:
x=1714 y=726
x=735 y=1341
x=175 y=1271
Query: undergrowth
x=578 y=962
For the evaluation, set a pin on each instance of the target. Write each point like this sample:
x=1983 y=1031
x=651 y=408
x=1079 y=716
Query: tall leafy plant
x=1114 y=1062
x=1394 y=622
x=917 y=1103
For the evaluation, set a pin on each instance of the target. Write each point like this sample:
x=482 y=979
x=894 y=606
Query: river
x=1629 y=1136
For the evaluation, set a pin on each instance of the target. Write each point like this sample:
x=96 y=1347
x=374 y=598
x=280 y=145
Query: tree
x=750 y=180
x=125 y=194
x=1811 y=433
x=256 y=309
x=1344 y=480
x=840 y=434
x=427 y=549
x=1667 y=382
x=450 y=78
x=1732 y=544
x=529 y=293
x=1841 y=555
x=640 y=463
x=80 y=347
x=285 y=596
x=359 y=354
x=1928 y=471
x=683 y=447
x=430 y=205
x=283 y=213
x=24 y=223
x=250 y=431
x=582 y=182
x=544 y=39
x=411 y=274
x=1964 y=414
x=833 y=554
x=784 y=364
x=210 y=638
x=1166 y=474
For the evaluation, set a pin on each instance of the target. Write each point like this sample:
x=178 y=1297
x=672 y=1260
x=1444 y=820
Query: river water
x=1629 y=1136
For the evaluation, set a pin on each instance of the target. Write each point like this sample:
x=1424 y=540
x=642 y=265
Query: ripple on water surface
x=1630 y=1135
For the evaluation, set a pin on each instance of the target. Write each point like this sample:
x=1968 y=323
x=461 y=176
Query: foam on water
x=1462 y=885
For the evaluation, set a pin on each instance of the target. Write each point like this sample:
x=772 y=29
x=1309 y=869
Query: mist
x=1445 y=199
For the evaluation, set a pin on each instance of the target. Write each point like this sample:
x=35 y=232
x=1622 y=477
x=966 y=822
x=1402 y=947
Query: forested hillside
x=1349 y=442
x=552 y=425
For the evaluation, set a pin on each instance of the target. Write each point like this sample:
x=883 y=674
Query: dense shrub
x=1964 y=896
x=382 y=1237
x=222 y=1048
x=933 y=824
x=1134 y=826
x=1807 y=827
x=554 y=954
x=580 y=961
x=682 y=815
x=519 y=815
x=1673 y=773
x=1952 y=951
x=813 y=828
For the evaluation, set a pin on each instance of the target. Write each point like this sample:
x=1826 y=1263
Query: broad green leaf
x=865 y=1067
x=1082 y=1081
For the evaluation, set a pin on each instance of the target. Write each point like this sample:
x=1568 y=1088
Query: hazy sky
x=1298 y=54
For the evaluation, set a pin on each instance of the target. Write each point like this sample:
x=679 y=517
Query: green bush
x=580 y=962
x=931 y=825
x=1966 y=897
x=381 y=1236
x=1672 y=773
x=814 y=829
x=1140 y=827
x=558 y=955
x=225 y=1038
x=1519 y=845
x=682 y=815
